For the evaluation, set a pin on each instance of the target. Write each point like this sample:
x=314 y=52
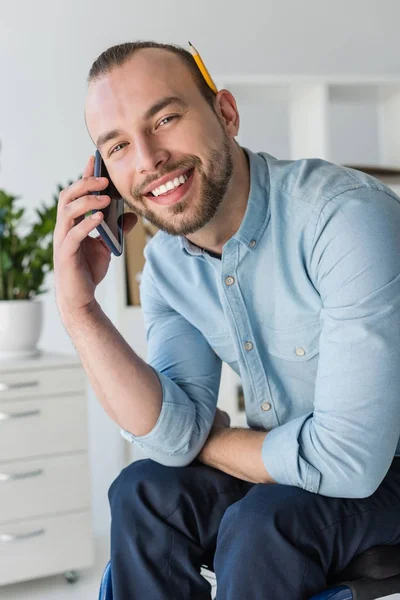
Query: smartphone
x=110 y=228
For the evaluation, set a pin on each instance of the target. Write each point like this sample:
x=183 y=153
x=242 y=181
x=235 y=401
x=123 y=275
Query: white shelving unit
x=343 y=119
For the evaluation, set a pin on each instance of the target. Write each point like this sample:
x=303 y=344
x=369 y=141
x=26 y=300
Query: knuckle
x=99 y=198
x=94 y=201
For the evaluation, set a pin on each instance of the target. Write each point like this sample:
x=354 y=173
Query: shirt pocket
x=296 y=345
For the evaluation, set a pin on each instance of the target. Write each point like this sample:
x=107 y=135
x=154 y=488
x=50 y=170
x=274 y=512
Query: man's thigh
x=332 y=529
x=191 y=499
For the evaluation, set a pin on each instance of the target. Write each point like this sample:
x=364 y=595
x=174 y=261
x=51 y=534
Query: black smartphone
x=110 y=228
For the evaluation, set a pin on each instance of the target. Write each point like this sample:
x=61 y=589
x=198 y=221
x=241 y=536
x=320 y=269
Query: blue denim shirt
x=305 y=306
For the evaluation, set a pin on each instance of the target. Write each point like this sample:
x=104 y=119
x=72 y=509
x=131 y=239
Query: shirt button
x=266 y=406
x=248 y=346
x=300 y=351
x=230 y=280
x=253 y=243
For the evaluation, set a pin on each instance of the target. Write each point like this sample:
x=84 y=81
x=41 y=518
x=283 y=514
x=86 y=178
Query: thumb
x=130 y=220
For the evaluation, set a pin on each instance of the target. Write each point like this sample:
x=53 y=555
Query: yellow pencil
x=203 y=69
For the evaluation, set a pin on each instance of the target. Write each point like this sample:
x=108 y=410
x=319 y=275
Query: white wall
x=48 y=46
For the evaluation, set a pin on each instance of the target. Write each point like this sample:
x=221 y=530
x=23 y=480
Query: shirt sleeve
x=189 y=372
x=344 y=448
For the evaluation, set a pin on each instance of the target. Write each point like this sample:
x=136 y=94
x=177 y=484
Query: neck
x=231 y=212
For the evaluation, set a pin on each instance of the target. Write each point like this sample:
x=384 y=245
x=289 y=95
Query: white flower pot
x=20 y=328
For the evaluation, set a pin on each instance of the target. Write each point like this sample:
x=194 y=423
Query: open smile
x=165 y=196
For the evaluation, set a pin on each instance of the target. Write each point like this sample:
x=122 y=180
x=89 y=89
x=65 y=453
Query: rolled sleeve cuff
x=281 y=455
x=172 y=433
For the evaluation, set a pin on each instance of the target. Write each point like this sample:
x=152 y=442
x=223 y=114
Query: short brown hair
x=116 y=56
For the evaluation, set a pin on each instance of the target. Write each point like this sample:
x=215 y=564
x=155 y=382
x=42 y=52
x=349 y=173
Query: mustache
x=188 y=162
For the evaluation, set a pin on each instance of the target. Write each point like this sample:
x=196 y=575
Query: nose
x=149 y=157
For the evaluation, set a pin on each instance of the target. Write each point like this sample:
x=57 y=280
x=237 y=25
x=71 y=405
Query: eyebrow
x=150 y=112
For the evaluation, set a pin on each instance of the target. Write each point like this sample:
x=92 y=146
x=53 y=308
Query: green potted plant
x=26 y=256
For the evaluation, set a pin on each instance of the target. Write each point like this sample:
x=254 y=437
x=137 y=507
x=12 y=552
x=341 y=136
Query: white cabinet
x=45 y=513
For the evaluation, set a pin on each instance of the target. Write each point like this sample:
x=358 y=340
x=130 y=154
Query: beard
x=192 y=213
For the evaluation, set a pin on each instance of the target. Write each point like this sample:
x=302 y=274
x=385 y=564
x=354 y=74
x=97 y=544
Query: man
x=288 y=271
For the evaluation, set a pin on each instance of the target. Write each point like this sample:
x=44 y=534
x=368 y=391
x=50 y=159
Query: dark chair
x=373 y=574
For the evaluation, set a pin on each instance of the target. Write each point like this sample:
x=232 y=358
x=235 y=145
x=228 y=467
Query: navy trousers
x=266 y=542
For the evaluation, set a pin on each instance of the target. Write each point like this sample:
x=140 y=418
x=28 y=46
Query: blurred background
x=311 y=78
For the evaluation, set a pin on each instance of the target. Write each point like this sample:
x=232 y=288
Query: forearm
x=125 y=385
x=236 y=452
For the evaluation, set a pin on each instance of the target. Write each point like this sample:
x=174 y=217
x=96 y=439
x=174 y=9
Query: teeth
x=170 y=185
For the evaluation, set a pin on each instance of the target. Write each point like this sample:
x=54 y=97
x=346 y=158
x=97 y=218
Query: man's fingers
x=222 y=418
x=89 y=169
x=80 y=188
x=74 y=213
x=99 y=239
x=77 y=234
x=87 y=184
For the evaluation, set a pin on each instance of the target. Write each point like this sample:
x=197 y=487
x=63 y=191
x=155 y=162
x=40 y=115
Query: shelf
x=264 y=115
x=342 y=119
x=362 y=124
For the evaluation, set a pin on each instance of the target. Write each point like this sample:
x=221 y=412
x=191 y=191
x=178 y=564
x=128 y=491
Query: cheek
x=196 y=135
x=121 y=174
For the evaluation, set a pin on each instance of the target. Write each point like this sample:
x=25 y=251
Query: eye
x=166 y=120
x=117 y=146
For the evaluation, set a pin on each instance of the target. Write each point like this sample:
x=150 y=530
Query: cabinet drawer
x=36 y=427
x=45 y=546
x=41 y=382
x=41 y=487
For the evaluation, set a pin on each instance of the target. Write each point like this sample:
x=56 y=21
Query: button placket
x=240 y=325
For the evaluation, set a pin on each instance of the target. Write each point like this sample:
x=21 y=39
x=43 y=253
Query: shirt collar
x=256 y=215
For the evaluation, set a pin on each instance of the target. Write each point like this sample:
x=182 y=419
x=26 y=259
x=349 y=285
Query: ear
x=225 y=105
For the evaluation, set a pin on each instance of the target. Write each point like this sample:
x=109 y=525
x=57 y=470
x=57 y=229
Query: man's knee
x=129 y=478
x=148 y=483
x=265 y=507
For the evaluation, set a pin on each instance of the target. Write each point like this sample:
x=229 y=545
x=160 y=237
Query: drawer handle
x=18 y=415
x=14 y=537
x=13 y=386
x=14 y=476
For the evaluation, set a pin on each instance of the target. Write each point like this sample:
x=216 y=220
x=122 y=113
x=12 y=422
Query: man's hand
x=221 y=419
x=81 y=262
x=235 y=451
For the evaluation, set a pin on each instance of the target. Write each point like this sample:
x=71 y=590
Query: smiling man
x=286 y=270
x=178 y=134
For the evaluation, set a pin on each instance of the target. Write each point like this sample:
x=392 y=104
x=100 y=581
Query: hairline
x=179 y=53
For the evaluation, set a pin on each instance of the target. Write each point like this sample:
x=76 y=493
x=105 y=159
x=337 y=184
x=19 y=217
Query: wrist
x=216 y=433
x=78 y=316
